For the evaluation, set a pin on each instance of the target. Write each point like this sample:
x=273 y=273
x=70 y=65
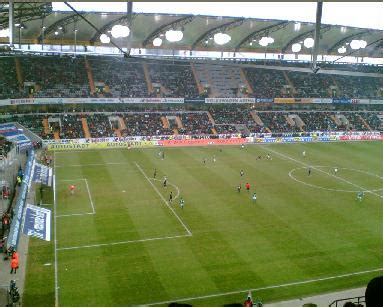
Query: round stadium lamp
x=362 y=43
x=157 y=42
x=105 y=39
x=56 y=33
x=264 y=41
x=120 y=31
x=357 y=44
x=4 y=33
x=342 y=50
x=296 y=47
x=174 y=35
x=308 y=42
x=222 y=38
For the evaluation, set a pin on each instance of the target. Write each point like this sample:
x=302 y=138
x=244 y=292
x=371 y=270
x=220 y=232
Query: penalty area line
x=296 y=283
x=123 y=242
x=163 y=199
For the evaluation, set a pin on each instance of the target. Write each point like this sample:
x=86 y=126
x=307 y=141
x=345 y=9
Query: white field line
x=89 y=195
x=296 y=283
x=94 y=164
x=162 y=197
x=75 y=214
x=123 y=242
x=329 y=174
x=173 y=185
x=55 y=230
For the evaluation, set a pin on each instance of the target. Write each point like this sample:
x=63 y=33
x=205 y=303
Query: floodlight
x=105 y=39
x=120 y=31
x=222 y=38
x=157 y=42
x=174 y=35
x=342 y=50
x=4 y=33
x=296 y=47
x=308 y=42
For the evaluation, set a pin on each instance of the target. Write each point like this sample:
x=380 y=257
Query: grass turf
x=299 y=229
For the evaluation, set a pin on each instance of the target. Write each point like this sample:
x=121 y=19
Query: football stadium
x=191 y=154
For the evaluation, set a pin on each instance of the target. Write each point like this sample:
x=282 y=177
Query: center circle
x=293 y=177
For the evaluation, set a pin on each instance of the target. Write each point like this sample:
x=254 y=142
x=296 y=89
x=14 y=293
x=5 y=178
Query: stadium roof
x=198 y=31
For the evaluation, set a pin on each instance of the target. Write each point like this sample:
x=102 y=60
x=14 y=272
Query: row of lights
x=120 y=31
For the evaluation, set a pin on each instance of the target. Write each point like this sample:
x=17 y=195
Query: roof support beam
x=181 y=21
x=59 y=23
x=129 y=18
x=95 y=28
x=303 y=36
x=11 y=22
x=317 y=36
x=214 y=30
x=263 y=31
x=343 y=40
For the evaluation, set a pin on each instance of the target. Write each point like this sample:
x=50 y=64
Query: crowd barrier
x=171 y=141
x=150 y=100
x=14 y=233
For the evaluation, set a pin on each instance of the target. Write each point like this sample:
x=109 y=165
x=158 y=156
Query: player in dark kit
x=171 y=197
x=165 y=181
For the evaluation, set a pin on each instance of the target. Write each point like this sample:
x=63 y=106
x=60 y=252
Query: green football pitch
x=119 y=242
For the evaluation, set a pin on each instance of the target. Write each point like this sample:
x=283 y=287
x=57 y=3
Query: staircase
x=19 y=73
x=214 y=131
x=46 y=126
x=147 y=78
x=175 y=131
x=121 y=123
x=165 y=122
x=199 y=85
x=90 y=76
x=56 y=135
x=256 y=118
x=293 y=90
x=85 y=127
x=364 y=122
x=211 y=119
x=118 y=132
x=245 y=81
x=179 y=122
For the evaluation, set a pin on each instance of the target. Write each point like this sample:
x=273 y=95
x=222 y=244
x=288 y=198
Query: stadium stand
x=119 y=77
x=54 y=77
x=176 y=80
x=9 y=87
x=267 y=82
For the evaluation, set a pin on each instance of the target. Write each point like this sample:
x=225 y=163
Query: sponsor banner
x=37 y=222
x=13 y=237
x=152 y=100
x=42 y=174
x=376 y=101
x=4 y=102
x=360 y=137
x=36 y=101
x=203 y=142
x=264 y=100
x=102 y=145
x=321 y=100
x=293 y=100
x=230 y=100
x=194 y=100
x=341 y=100
x=90 y=100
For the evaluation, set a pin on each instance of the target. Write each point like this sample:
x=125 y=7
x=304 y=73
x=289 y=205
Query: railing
x=355 y=300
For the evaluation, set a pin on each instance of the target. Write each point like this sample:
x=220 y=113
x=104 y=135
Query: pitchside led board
x=37 y=222
x=42 y=174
